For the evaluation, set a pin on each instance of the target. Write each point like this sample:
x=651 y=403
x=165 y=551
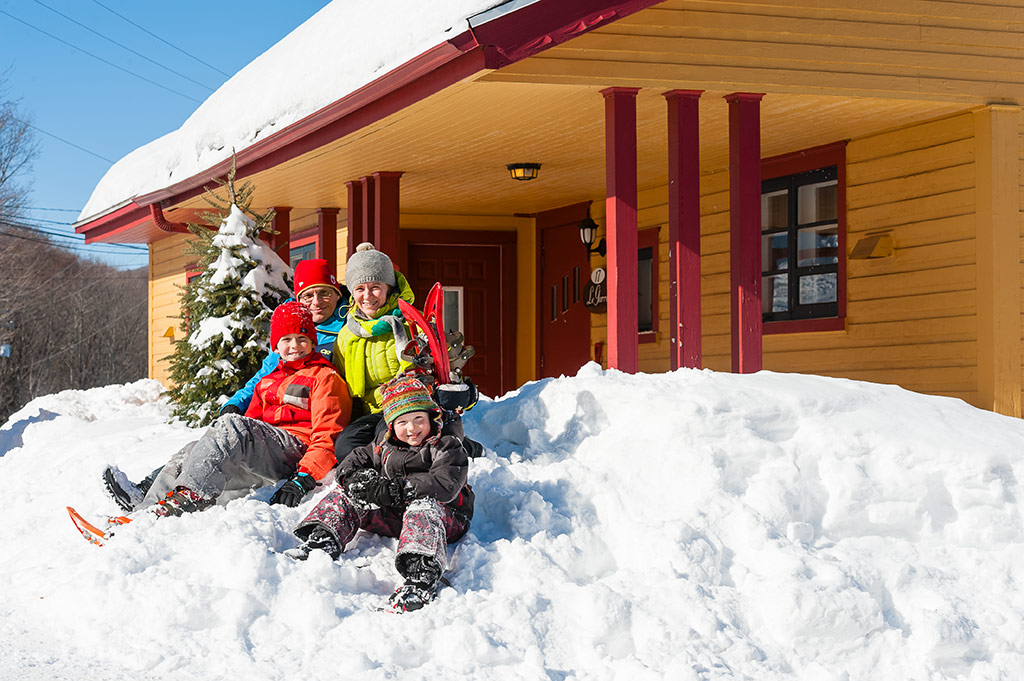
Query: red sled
x=430 y=324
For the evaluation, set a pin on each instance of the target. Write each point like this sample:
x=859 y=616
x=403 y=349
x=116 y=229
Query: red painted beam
x=621 y=202
x=327 y=235
x=281 y=242
x=355 y=215
x=385 y=212
x=684 y=228
x=745 y=229
x=369 y=211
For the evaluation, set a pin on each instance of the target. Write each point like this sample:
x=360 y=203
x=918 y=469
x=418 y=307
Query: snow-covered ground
x=691 y=525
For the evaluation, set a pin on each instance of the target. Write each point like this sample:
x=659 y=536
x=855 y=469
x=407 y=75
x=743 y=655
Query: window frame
x=305 y=241
x=650 y=238
x=797 y=163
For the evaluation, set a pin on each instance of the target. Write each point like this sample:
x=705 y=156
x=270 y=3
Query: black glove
x=294 y=488
x=230 y=409
x=355 y=482
x=457 y=397
x=368 y=486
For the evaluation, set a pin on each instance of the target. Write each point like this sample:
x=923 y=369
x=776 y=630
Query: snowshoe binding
x=182 y=500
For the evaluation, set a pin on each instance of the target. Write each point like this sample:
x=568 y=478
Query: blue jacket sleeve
x=242 y=398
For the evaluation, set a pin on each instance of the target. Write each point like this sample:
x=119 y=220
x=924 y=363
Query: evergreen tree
x=226 y=310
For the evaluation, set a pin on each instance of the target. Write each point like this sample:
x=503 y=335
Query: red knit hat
x=314 y=273
x=289 y=318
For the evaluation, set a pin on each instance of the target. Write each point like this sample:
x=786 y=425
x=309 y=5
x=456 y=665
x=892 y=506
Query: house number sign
x=595 y=293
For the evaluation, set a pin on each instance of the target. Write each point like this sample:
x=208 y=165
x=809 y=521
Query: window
x=647 y=284
x=803 y=263
x=301 y=251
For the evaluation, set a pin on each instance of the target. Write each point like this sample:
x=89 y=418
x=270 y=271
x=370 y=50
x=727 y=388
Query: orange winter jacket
x=307 y=398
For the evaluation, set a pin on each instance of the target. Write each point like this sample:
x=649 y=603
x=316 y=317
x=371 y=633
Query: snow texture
x=342 y=47
x=688 y=525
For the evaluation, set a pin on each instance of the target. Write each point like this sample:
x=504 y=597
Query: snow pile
x=342 y=47
x=690 y=525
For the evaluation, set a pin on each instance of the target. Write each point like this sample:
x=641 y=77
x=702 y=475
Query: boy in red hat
x=320 y=292
x=409 y=483
x=288 y=430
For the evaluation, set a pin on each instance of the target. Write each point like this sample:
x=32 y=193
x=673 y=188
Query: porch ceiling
x=453 y=146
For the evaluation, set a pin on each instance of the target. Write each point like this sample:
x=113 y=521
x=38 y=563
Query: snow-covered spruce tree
x=225 y=310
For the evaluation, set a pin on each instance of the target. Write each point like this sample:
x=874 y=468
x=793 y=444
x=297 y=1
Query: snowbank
x=690 y=525
x=342 y=47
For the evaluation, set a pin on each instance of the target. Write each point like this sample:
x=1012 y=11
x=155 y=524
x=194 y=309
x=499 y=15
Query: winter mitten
x=293 y=490
x=356 y=482
x=230 y=409
x=386 y=491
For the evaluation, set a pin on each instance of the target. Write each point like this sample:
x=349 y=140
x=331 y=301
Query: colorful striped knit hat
x=403 y=395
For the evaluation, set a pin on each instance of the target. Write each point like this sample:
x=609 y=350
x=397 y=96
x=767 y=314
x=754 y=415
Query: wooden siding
x=913 y=49
x=167 y=263
x=913 y=317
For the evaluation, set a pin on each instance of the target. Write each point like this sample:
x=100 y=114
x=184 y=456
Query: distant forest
x=65 y=322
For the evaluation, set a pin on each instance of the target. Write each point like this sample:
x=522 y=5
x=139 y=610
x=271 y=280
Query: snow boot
x=320 y=539
x=125 y=493
x=181 y=500
x=422 y=576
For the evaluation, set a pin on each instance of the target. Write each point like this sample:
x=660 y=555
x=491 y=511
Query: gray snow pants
x=425 y=528
x=235 y=455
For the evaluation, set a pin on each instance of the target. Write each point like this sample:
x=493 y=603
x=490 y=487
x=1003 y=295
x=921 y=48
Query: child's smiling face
x=412 y=428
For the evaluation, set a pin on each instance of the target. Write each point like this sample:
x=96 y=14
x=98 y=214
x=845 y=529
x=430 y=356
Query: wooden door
x=476 y=302
x=564 y=321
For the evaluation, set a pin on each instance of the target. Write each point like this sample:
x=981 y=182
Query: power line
x=56 y=210
x=169 y=44
x=61 y=139
x=108 y=63
x=86 y=249
x=125 y=47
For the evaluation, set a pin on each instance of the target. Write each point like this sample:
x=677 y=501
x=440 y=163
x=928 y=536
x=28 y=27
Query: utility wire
x=56 y=210
x=67 y=246
x=108 y=63
x=125 y=47
x=61 y=139
x=146 y=30
x=22 y=224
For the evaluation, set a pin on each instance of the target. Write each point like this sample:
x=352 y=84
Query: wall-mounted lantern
x=588 y=231
x=524 y=172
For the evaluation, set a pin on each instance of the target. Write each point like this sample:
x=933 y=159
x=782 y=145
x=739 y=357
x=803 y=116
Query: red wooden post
x=282 y=225
x=684 y=228
x=355 y=215
x=386 y=212
x=745 y=229
x=620 y=203
x=369 y=205
x=327 y=235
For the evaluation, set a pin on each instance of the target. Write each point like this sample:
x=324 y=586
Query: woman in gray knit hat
x=368 y=349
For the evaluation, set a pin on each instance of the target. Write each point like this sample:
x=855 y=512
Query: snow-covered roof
x=341 y=48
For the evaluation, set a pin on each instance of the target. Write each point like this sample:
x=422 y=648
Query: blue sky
x=100 y=111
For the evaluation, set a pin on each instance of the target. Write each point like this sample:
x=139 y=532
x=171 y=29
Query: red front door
x=474 y=302
x=564 y=271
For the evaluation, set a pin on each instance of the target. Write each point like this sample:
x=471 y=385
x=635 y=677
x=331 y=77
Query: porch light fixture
x=588 y=230
x=524 y=172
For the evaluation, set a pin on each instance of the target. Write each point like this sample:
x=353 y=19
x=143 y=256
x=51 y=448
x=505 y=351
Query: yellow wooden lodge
x=818 y=186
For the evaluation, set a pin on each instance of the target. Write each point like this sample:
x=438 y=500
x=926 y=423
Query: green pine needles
x=226 y=309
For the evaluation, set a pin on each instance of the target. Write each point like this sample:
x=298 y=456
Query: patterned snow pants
x=235 y=455
x=424 y=528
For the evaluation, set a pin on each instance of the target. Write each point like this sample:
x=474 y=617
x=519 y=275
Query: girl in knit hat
x=409 y=483
x=288 y=430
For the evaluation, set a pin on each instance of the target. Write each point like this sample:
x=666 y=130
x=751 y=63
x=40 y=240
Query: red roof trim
x=499 y=42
